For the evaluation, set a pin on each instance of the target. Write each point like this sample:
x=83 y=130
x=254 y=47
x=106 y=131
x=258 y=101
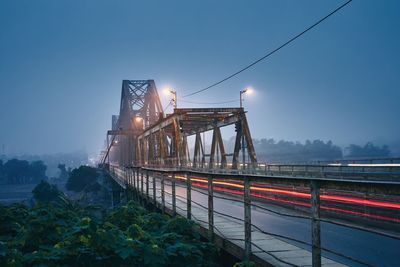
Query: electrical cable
x=271 y=52
x=209 y=103
x=169 y=104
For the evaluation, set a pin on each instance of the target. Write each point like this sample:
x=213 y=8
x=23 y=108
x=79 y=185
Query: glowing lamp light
x=168 y=91
x=248 y=90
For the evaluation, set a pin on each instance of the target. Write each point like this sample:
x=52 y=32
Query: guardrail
x=381 y=172
x=376 y=200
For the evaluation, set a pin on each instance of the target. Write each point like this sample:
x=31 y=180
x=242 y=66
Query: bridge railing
x=363 y=171
x=349 y=203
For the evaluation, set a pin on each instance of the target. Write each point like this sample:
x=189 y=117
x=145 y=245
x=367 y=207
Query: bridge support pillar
x=315 y=224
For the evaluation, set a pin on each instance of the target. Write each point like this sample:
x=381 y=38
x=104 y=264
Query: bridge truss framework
x=142 y=135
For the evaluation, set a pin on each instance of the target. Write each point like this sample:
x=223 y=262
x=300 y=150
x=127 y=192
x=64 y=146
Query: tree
x=16 y=171
x=286 y=151
x=45 y=193
x=369 y=150
x=63 y=172
x=21 y=171
x=81 y=178
x=94 y=187
x=38 y=171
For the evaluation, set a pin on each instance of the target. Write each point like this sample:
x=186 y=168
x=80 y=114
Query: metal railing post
x=189 y=196
x=137 y=183
x=132 y=187
x=247 y=218
x=315 y=224
x=210 y=209
x=154 y=191
x=147 y=186
x=162 y=193
x=126 y=182
x=173 y=195
x=133 y=178
x=141 y=183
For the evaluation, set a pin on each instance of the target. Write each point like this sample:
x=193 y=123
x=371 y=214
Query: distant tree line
x=271 y=150
x=369 y=150
x=287 y=151
x=16 y=171
x=71 y=160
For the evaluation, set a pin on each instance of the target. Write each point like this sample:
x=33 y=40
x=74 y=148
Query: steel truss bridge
x=149 y=157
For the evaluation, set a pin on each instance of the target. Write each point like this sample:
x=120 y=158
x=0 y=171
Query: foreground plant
x=63 y=235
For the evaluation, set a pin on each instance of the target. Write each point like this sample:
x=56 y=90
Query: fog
x=63 y=62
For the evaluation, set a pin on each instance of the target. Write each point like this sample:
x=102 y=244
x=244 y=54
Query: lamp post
x=174 y=99
x=248 y=90
x=241 y=96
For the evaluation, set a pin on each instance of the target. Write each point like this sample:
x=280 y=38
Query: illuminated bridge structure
x=239 y=203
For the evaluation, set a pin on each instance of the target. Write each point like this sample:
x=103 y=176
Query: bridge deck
x=267 y=250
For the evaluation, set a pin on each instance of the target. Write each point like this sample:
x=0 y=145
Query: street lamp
x=174 y=99
x=245 y=90
x=138 y=122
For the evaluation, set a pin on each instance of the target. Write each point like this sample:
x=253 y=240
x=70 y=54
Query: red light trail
x=277 y=193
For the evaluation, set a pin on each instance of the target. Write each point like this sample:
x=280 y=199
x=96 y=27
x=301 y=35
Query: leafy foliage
x=45 y=193
x=245 y=264
x=81 y=178
x=62 y=235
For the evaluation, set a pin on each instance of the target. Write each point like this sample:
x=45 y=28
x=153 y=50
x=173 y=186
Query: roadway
x=370 y=248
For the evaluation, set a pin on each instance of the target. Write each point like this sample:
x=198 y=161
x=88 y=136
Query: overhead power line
x=271 y=52
x=169 y=104
x=209 y=103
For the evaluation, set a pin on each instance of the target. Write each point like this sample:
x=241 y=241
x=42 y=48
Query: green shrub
x=64 y=235
x=81 y=178
x=45 y=193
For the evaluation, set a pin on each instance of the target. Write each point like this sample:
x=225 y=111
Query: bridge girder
x=139 y=109
x=142 y=136
x=185 y=122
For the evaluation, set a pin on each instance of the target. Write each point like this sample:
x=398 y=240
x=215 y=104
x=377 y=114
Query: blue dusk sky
x=62 y=64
